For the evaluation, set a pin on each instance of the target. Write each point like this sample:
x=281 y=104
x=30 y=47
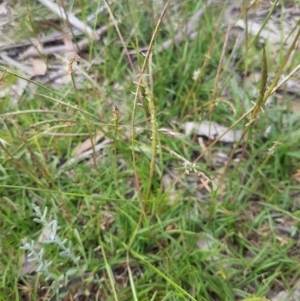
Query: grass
x=137 y=239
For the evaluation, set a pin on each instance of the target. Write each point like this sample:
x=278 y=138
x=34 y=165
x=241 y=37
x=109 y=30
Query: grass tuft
x=104 y=196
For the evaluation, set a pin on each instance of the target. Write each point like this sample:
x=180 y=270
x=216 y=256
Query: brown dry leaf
x=32 y=67
x=87 y=144
x=205 y=184
x=39 y=67
x=297 y=175
x=203 y=147
x=212 y=130
x=170 y=227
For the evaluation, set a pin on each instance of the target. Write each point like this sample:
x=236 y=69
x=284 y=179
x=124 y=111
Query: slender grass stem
x=116 y=114
x=84 y=116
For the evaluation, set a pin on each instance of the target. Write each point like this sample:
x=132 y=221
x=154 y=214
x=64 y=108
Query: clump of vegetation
x=149 y=150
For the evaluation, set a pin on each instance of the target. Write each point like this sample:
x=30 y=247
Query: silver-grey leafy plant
x=37 y=252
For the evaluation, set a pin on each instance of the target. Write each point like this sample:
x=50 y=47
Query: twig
x=32 y=51
x=56 y=36
x=13 y=63
x=70 y=17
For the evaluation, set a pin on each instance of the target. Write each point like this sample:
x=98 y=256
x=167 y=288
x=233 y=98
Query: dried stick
x=70 y=17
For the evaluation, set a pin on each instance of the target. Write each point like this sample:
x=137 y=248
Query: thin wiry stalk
x=154 y=131
x=17 y=113
x=81 y=107
x=237 y=144
x=161 y=274
x=266 y=94
x=68 y=105
x=116 y=114
x=265 y=22
x=220 y=66
x=52 y=192
x=109 y=272
x=217 y=140
x=22 y=167
x=255 y=110
x=248 y=45
x=133 y=71
x=263 y=96
x=138 y=88
x=33 y=176
x=263 y=85
x=41 y=170
x=201 y=68
x=285 y=79
x=137 y=93
x=131 y=279
x=229 y=129
x=215 y=89
x=94 y=30
x=120 y=36
x=281 y=67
